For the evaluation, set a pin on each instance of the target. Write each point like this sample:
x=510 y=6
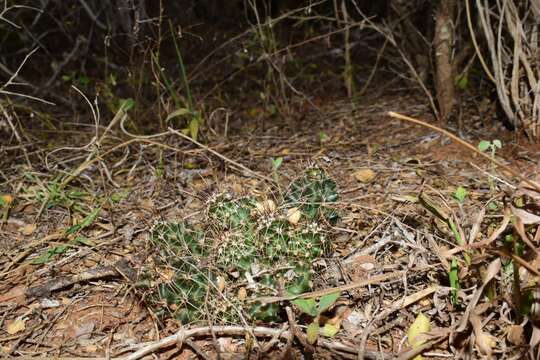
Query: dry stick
x=197 y=349
x=296 y=333
x=287 y=349
x=275 y=340
x=260 y=331
x=14 y=75
x=120 y=268
x=373 y=69
x=467 y=146
x=270 y=23
x=502 y=252
x=183 y=334
x=94 y=156
x=496 y=61
x=475 y=43
x=16 y=133
x=32 y=247
x=407 y=62
x=222 y=157
x=357 y=284
x=100 y=157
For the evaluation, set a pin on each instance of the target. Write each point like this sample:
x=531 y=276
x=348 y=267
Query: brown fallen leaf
x=90 y=349
x=364 y=175
x=15 y=326
x=265 y=207
x=186 y=354
x=515 y=334
x=28 y=229
x=485 y=342
x=14 y=294
x=237 y=188
x=146 y=204
x=82 y=331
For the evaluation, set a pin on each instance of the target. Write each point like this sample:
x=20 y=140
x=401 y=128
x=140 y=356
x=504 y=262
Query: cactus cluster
x=312 y=192
x=244 y=244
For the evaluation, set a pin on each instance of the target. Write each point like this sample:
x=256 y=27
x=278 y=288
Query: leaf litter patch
x=243 y=250
x=467 y=306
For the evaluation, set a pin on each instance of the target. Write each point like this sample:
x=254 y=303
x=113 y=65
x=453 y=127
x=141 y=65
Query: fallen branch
x=180 y=336
x=119 y=268
x=357 y=284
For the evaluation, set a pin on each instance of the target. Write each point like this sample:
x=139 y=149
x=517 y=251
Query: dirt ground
x=75 y=294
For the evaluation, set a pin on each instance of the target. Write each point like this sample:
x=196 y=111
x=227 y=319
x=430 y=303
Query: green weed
x=72 y=231
x=311 y=308
x=51 y=194
x=461 y=194
x=184 y=107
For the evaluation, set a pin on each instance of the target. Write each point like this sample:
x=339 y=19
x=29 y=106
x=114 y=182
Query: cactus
x=311 y=193
x=239 y=237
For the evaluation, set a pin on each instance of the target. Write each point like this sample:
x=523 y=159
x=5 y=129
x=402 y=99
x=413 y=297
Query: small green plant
x=461 y=194
x=159 y=172
x=451 y=222
x=492 y=147
x=493 y=205
x=51 y=253
x=108 y=95
x=314 y=310
x=118 y=196
x=81 y=80
x=462 y=81
x=454 y=281
x=323 y=138
x=51 y=194
x=71 y=232
x=185 y=107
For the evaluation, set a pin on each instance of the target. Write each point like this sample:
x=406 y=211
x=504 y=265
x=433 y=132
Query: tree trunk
x=444 y=75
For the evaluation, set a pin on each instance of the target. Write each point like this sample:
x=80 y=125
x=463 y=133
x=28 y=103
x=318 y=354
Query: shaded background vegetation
x=199 y=55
